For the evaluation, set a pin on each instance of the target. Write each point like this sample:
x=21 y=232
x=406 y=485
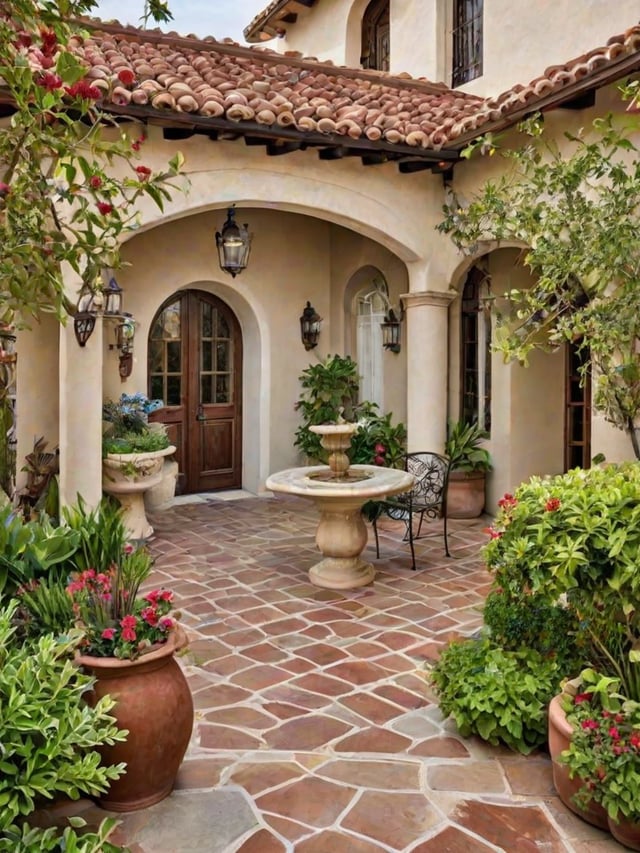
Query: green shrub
x=49 y=735
x=134 y=442
x=502 y=696
x=30 y=839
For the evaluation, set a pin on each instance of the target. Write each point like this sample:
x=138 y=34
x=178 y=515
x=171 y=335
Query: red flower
x=166 y=624
x=143 y=172
x=634 y=740
x=128 y=548
x=50 y=81
x=104 y=207
x=589 y=724
x=379 y=460
x=128 y=622
x=380 y=448
x=83 y=89
x=614 y=733
x=493 y=534
x=507 y=501
x=166 y=595
x=582 y=697
x=135 y=146
x=95 y=181
x=49 y=41
x=152 y=596
x=108 y=633
x=23 y=40
x=5 y=189
x=126 y=76
x=552 y=504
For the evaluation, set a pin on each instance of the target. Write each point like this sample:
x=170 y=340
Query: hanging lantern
x=234 y=245
x=113 y=297
x=310 y=323
x=391 y=331
x=84 y=320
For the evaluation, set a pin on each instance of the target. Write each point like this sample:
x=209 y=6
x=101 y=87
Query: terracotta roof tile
x=264 y=25
x=255 y=87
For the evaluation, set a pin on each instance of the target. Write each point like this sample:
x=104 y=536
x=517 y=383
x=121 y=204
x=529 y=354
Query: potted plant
x=604 y=753
x=134 y=452
x=128 y=647
x=469 y=462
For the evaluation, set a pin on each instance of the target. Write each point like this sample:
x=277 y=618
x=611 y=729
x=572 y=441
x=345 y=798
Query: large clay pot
x=465 y=494
x=127 y=476
x=560 y=732
x=626 y=831
x=153 y=702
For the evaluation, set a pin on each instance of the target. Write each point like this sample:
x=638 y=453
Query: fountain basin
x=342 y=534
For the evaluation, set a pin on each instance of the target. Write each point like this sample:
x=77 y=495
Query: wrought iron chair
x=428 y=497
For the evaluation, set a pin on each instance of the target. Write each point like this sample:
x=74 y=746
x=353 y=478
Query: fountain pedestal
x=342 y=533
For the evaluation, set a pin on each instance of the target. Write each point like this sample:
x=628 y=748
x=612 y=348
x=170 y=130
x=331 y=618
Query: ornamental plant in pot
x=129 y=647
x=469 y=463
x=133 y=456
x=604 y=753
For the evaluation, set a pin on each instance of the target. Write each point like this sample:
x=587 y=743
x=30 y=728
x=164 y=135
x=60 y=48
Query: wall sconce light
x=125 y=334
x=112 y=297
x=234 y=244
x=391 y=330
x=89 y=305
x=310 y=322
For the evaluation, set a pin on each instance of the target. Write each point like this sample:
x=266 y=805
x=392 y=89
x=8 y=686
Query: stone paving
x=316 y=730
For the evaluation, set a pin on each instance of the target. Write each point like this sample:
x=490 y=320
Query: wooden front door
x=577 y=430
x=195 y=367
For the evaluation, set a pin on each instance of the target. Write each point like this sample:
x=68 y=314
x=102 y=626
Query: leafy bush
x=529 y=621
x=464 y=449
x=500 y=695
x=578 y=535
x=136 y=442
x=49 y=735
x=30 y=839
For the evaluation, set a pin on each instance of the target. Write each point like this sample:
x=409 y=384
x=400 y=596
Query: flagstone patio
x=316 y=730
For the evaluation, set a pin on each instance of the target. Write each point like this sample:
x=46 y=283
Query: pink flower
x=380 y=448
x=166 y=595
x=166 y=624
x=152 y=597
x=128 y=548
x=379 y=460
x=108 y=633
x=128 y=622
x=150 y=616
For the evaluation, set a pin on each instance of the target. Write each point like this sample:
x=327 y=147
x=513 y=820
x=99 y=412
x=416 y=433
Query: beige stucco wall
x=520 y=39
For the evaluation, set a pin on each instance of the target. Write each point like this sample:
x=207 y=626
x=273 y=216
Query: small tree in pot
x=469 y=465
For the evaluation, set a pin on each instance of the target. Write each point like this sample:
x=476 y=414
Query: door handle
x=200 y=416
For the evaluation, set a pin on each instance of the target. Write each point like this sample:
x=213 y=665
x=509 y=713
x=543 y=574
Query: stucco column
x=81 y=416
x=427 y=368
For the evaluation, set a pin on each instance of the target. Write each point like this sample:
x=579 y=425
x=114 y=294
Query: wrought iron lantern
x=112 y=297
x=391 y=331
x=90 y=303
x=234 y=244
x=310 y=323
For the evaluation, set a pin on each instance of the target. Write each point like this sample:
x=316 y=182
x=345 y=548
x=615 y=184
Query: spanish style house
x=337 y=137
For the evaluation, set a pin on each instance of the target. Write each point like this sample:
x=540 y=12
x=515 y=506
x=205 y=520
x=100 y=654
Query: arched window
x=375 y=36
x=475 y=351
x=371 y=306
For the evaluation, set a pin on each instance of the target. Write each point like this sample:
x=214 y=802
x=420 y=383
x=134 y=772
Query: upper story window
x=375 y=36
x=467 y=41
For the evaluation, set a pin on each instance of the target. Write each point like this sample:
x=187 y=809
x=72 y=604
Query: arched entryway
x=195 y=368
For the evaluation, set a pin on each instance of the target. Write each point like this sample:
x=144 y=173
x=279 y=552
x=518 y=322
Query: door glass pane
x=207 y=320
x=173 y=391
x=205 y=390
x=222 y=355
x=222 y=388
x=155 y=356
x=207 y=355
x=173 y=356
x=156 y=388
x=223 y=326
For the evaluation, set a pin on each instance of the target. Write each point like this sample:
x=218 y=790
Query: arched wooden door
x=195 y=367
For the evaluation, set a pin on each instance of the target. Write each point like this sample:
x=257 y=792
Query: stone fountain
x=339 y=490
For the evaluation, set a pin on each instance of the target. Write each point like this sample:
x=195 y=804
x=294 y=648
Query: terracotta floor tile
x=453 y=840
x=225 y=737
x=324 y=684
x=337 y=842
x=307 y=732
x=370 y=708
x=401 y=697
x=531 y=776
x=265 y=653
x=510 y=827
x=480 y=776
x=374 y=740
x=259 y=677
x=246 y=718
x=440 y=747
x=322 y=654
x=385 y=775
x=262 y=842
x=199 y=773
x=315 y=802
x=220 y=694
x=357 y=672
x=256 y=778
x=289 y=829
x=395 y=819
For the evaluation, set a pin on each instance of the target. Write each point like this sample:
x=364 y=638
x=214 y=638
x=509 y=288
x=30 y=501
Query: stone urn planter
x=560 y=731
x=154 y=703
x=127 y=476
x=160 y=497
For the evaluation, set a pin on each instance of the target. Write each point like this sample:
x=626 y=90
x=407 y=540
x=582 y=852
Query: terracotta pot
x=465 y=494
x=626 y=831
x=560 y=732
x=153 y=702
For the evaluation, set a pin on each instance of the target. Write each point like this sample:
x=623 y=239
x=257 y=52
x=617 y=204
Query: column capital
x=436 y=298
